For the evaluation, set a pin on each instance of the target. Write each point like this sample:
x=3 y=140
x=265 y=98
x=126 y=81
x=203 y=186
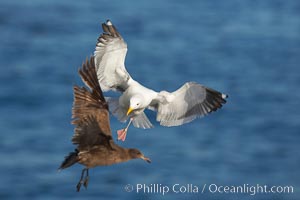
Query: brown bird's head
x=135 y=153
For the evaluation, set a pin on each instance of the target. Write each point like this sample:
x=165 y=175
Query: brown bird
x=95 y=145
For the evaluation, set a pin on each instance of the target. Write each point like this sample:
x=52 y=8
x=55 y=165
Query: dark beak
x=146 y=159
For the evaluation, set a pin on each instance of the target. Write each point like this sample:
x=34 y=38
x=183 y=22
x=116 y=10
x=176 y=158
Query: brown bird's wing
x=88 y=75
x=89 y=134
x=90 y=111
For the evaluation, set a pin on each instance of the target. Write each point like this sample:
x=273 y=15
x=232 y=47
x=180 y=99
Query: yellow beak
x=129 y=111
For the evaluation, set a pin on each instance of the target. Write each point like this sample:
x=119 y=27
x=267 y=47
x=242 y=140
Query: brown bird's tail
x=70 y=160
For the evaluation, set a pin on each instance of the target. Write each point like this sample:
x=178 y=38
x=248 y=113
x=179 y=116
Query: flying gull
x=190 y=101
x=95 y=146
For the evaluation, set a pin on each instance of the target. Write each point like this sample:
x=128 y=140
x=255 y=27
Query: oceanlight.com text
x=163 y=189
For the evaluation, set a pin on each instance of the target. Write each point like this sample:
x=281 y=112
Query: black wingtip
x=225 y=96
x=108 y=22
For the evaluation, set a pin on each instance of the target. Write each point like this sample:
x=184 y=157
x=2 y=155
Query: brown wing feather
x=86 y=103
x=88 y=134
x=90 y=111
x=88 y=75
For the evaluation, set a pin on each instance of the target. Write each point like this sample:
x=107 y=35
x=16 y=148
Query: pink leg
x=123 y=132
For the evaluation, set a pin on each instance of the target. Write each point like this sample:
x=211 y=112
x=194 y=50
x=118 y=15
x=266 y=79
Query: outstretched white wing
x=110 y=56
x=187 y=103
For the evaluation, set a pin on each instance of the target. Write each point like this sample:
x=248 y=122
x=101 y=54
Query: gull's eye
x=138 y=104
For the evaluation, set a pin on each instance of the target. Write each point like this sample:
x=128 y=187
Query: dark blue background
x=249 y=49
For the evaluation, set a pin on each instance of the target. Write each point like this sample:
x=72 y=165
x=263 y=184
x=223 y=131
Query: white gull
x=190 y=101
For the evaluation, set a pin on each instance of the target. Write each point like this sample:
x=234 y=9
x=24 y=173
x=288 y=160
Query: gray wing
x=110 y=56
x=190 y=101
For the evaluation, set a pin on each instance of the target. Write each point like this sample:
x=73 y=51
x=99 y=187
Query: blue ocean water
x=247 y=49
